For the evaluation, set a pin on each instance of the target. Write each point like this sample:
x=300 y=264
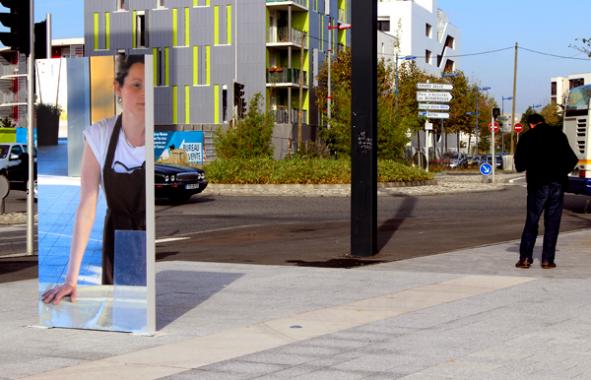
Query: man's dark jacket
x=545 y=155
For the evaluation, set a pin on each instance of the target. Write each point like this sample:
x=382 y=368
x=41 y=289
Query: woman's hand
x=56 y=294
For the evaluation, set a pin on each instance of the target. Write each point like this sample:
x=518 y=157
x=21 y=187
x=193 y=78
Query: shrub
x=303 y=171
x=251 y=137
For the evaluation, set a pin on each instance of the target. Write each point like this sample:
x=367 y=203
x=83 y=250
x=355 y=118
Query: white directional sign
x=435 y=86
x=428 y=96
x=434 y=107
x=434 y=115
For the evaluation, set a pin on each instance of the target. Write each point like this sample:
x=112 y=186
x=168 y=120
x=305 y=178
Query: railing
x=282 y=115
x=286 y=76
x=303 y=3
x=282 y=35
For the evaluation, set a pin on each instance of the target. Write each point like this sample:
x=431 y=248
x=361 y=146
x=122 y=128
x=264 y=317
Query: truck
x=577 y=127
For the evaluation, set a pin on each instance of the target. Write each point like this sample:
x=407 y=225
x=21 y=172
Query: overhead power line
x=554 y=55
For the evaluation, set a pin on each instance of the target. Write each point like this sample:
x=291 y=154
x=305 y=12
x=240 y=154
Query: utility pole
x=30 y=138
x=301 y=82
x=329 y=95
x=364 y=128
x=514 y=98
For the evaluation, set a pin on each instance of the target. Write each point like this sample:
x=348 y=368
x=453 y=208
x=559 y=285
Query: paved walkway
x=468 y=314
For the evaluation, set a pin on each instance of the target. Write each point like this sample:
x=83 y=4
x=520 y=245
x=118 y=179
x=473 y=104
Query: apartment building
x=201 y=48
x=423 y=31
x=560 y=86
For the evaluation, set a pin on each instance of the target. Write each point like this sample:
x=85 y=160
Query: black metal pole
x=364 y=168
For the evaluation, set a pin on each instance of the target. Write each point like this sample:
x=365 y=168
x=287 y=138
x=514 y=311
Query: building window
x=384 y=25
x=160 y=4
x=449 y=66
x=121 y=5
x=450 y=42
x=572 y=83
x=428 y=30
x=224 y=103
x=553 y=89
x=140 y=38
x=428 y=56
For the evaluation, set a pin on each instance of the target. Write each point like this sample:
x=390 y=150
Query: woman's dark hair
x=124 y=63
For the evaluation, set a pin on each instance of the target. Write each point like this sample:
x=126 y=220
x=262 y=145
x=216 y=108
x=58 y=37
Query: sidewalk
x=462 y=315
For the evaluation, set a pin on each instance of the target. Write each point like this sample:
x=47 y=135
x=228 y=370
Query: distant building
x=423 y=31
x=560 y=86
x=67 y=47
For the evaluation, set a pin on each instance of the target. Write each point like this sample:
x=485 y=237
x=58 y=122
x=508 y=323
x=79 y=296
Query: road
x=316 y=231
x=309 y=231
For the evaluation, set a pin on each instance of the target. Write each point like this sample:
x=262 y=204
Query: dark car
x=178 y=183
x=14 y=165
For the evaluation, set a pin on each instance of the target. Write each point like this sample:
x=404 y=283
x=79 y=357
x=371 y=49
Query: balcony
x=285 y=4
x=281 y=115
x=281 y=37
x=280 y=77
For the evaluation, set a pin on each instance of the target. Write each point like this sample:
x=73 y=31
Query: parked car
x=14 y=165
x=178 y=183
x=498 y=160
x=458 y=161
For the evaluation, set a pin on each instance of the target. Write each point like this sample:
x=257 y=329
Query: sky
x=548 y=26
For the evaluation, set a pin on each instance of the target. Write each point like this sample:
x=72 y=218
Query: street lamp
x=477 y=130
x=503 y=98
x=405 y=58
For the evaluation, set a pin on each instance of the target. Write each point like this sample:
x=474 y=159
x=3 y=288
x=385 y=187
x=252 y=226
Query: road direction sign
x=518 y=128
x=485 y=169
x=429 y=96
x=434 y=115
x=434 y=107
x=435 y=86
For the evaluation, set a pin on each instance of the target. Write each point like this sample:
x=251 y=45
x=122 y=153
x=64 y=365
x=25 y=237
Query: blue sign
x=190 y=143
x=485 y=169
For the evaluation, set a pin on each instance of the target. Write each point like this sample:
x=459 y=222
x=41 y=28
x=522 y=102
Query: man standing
x=545 y=155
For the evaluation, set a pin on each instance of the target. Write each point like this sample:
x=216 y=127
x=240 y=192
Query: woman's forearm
x=84 y=222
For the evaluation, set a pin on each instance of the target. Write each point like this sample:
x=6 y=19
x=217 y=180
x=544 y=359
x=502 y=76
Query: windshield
x=578 y=99
x=3 y=151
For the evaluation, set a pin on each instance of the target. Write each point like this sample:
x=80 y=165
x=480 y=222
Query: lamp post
x=331 y=27
x=478 y=89
x=503 y=98
x=404 y=58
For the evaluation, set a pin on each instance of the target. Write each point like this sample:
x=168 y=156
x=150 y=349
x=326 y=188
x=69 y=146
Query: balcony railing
x=303 y=3
x=286 y=76
x=281 y=115
x=282 y=35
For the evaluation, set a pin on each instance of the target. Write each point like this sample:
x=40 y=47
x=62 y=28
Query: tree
x=585 y=47
x=552 y=114
x=250 y=138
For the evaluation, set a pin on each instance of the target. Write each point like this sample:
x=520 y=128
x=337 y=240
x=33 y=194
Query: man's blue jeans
x=548 y=198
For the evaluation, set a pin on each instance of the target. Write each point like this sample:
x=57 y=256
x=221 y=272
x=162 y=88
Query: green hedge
x=303 y=171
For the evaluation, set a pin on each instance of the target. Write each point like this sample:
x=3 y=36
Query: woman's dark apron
x=126 y=203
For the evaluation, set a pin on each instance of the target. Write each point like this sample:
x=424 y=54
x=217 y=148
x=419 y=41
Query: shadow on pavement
x=388 y=228
x=345 y=263
x=17 y=269
x=178 y=292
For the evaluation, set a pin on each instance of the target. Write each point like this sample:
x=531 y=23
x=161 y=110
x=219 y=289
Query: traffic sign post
x=430 y=96
x=434 y=107
x=435 y=86
x=518 y=128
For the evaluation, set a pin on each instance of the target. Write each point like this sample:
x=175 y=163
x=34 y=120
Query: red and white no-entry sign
x=495 y=127
x=518 y=128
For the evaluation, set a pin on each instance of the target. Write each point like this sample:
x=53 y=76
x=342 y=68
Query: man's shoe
x=548 y=265
x=523 y=263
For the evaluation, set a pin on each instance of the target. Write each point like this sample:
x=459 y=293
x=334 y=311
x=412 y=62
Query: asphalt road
x=316 y=231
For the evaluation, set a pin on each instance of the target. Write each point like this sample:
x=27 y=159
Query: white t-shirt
x=98 y=136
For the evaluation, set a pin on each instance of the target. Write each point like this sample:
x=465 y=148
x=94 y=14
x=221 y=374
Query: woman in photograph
x=113 y=158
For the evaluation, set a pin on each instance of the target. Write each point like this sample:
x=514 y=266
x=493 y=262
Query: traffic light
x=239 y=99
x=18 y=22
x=496 y=112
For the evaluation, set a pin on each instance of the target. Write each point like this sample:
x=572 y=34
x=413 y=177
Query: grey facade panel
x=121 y=28
x=251 y=39
x=162 y=105
x=201 y=26
x=160 y=28
x=182 y=62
